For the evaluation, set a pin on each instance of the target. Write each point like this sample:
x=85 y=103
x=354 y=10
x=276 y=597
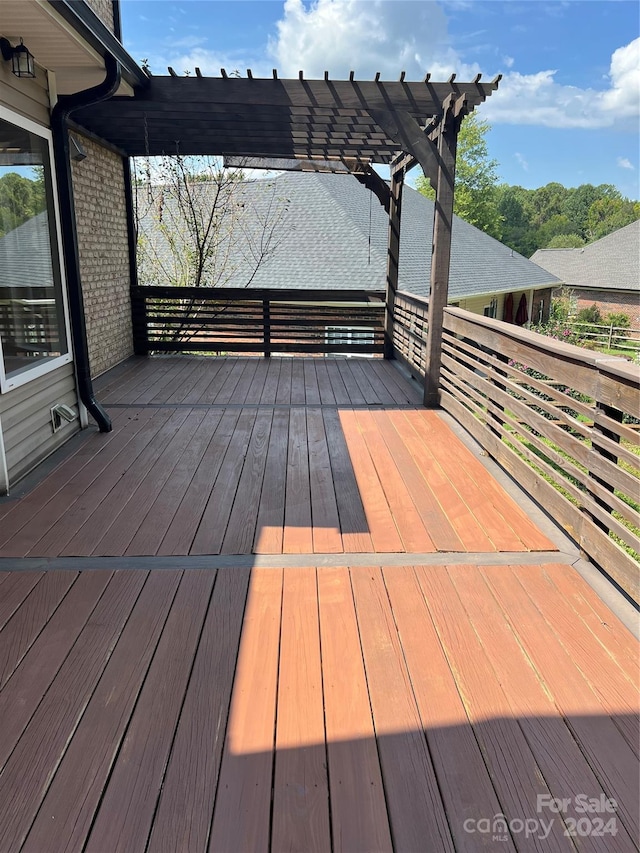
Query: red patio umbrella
x=522 y=315
x=507 y=311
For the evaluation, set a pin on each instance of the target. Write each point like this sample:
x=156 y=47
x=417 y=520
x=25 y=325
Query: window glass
x=32 y=326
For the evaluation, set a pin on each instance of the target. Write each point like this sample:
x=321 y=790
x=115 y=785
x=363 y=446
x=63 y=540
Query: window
x=33 y=328
x=491 y=310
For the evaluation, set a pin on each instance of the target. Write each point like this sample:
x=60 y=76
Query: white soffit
x=55 y=45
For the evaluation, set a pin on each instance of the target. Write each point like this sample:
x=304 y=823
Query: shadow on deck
x=282 y=607
x=281 y=456
x=362 y=709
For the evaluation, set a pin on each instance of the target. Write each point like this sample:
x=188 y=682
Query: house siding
x=29 y=97
x=99 y=193
x=26 y=420
x=25 y=417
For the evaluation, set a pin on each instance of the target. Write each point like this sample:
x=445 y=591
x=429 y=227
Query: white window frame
x=8 y=384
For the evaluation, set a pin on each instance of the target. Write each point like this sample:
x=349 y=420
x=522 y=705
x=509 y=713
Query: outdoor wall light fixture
x=21 y=60
x=76 y=151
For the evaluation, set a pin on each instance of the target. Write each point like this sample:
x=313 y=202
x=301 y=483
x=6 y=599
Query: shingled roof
x=611 y=263
x=334 y=235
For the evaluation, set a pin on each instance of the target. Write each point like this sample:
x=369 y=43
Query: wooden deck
x=283 y=608
x=280 y=456
x=362 y=709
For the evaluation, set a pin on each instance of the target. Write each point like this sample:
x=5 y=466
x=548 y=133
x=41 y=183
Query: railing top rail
x=570 y=352
x=411 y=297
x=255 y=294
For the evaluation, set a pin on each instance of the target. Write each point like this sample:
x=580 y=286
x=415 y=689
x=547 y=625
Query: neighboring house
x=41 y=363
x=332 y=233
x=605 y=273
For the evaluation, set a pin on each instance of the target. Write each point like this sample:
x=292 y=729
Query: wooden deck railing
x=561 y=419
x=410 y=326
x=225 y=320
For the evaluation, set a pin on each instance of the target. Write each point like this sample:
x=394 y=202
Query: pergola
x=318 y=125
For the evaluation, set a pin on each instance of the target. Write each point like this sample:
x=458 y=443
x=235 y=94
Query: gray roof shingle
x=611 y=263
x=334 y=235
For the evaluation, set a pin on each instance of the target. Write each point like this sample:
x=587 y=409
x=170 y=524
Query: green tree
x=608 y=214
x=565 y=241
x=21 y=198
x=547 y=202
x=515 y=210
x=579 y=201
x=476 y=198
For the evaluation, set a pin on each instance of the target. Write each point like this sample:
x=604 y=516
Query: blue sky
x=568 y=107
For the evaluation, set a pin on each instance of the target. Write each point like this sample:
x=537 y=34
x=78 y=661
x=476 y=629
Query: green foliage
x=561 y=313
x=555 y=217
x=589 y=315
x=476 y=176
x=552 y=216
x=608 y=214
x=619 y=320
x=565 y=241
x=21 y=198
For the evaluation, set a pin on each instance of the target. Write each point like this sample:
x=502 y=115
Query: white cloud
x=365 y=36
x=625 y=163
x=368 y=36
x=522 y=161
x=538 y=99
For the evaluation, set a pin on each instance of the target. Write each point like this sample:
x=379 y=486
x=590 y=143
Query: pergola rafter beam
x=319 y=125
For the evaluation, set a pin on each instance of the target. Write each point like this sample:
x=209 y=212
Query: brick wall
x=613 y=302
x=104 y=255
x=104 y=10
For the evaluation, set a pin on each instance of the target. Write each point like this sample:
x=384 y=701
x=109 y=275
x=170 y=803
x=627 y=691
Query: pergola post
x=440 y=261
x=393 y=256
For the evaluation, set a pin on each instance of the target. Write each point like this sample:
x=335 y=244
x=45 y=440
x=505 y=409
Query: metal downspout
x=65 y=105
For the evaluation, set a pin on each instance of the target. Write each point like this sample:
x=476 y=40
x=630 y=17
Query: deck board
x=22 y=694
x=516 y=774
x=243 y=805
x=26 y=774
x=301 y=818
x=73 y=797
x=125 y=814
x=31 y=617
x=416 y=811
x=280 y=455
x=465 y=784
x=329 y=709
x=183 y=817
x=599 y=738
x=359 y=812
x=543 y=727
